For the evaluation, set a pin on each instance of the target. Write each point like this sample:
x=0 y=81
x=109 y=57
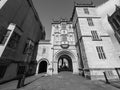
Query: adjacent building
x=114 y=21
x=96 y=51
x=20 y=32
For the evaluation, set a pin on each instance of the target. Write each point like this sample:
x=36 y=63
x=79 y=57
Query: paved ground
x=62 y=81
x=67 y=81
x=13 y=84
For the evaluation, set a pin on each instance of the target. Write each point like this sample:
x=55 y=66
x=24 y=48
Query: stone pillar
x=75 y=67
x=55 y=67
x=37 y=68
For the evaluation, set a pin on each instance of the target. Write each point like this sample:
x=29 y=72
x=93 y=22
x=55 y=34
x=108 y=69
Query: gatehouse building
x=80 y=45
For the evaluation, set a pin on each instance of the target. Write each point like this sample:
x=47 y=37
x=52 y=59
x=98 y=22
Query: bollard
x=107 y=81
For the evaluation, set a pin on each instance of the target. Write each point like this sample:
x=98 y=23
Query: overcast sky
x=50 y=9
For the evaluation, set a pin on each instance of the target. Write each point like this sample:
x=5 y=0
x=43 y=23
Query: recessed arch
x=42 y=65
x=68 y=54
x=65 y=63
x=44 y=59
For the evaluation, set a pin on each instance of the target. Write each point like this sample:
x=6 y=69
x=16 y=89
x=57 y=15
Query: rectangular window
x=2 y=70
x=4 y=33
x=101 y=52
x=21 y=70
x=29 y=46
x=90 y=22
x=14 y=40
x=95 y=36
x=86 y=11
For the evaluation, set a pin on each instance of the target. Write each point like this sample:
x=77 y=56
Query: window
x=2 y=70
x=14 y=40
x=115 y=23
x=101 y=52
x=43 y=50
x=95 y=36
x=118 y=18
x=110 y=73
x=21 y=70
x=29 y=46
x=90 y=22
x=86 y=11
x=4 y=33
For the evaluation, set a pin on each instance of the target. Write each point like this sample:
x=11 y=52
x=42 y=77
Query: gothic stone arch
x=71 y=55
x=38 y=64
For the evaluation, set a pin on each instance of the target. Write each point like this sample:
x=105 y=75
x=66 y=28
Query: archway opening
x=65 y=63
x=42 y=67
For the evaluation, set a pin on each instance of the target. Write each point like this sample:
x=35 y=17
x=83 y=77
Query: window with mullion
x=86 y=11
x=29 y=47
x=90 y=21
x=100 y=52
x=95 y=36
x=14 y=40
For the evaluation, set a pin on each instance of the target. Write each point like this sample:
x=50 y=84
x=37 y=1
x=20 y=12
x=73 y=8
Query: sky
x=55 y=9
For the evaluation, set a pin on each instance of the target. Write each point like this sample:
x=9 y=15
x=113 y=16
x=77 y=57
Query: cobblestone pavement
x=67 y=81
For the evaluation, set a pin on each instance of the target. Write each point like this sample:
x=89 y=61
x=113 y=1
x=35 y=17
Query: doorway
x=42 y=67
x=65 y=63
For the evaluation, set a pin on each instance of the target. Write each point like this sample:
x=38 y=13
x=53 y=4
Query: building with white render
x=60 y=53
x=80 y=45
x=96 y=51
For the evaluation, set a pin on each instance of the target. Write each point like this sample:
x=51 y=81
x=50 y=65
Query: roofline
x=80 y=5
x=35 y=12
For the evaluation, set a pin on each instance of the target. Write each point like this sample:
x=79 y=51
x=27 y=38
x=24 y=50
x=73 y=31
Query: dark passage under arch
x=65 y=63
x=42 y=67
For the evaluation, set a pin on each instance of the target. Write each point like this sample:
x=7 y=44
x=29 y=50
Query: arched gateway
x=60 y=51
x=65 y=60
x=42 y=66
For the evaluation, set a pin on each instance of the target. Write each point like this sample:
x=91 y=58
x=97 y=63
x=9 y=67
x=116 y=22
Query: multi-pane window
x=118 y=18
x=115 y=23
x=90 y=22
x=4 y=33
x=14 y=40
x=29 y=46
x=100 y=52
x=86 y=11
x=95 y=36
